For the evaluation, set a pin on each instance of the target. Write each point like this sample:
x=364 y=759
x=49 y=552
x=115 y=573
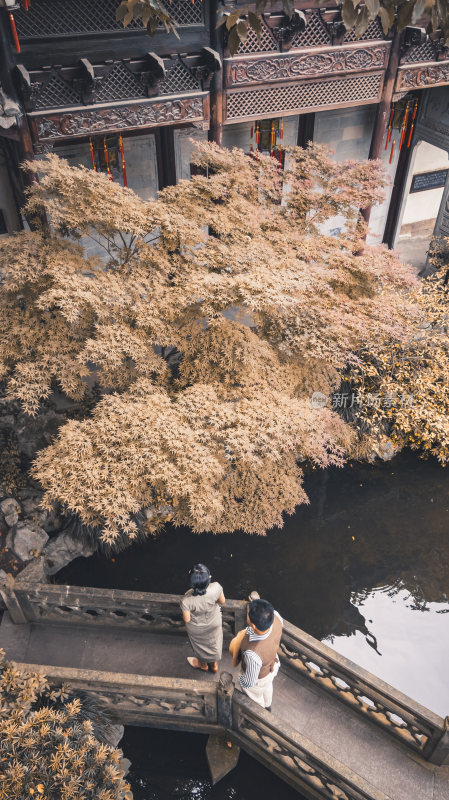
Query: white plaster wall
x=185 y=139
x=140 y=158
x=348 y=132
x=141 y=165
x=7 y=203
x=422 y=206
x=239 y=135
x=141 y=172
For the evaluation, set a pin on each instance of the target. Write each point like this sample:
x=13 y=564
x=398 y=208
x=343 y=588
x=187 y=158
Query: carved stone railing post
x=441 y=750
x=225 y=691
x=12 y=602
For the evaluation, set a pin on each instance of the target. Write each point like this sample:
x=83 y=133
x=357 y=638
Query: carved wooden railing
x=304 y=656
x=209 y=707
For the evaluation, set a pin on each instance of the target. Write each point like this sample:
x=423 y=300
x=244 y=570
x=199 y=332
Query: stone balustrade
x=209 y=707
x=405 y=719
x=294 y=757
x=304 y=657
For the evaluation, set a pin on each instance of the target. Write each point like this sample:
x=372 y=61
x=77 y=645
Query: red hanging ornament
x=272 y=138
x=390 y=122
x=392 y=151
x=106 y=158
x=257 y=136
x=415 y=108
x=92 y=155
x=404 y=125
x=281 y=138
x=122 y=155
x=15 y=38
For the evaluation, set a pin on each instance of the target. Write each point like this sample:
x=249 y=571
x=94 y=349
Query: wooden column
x=165 y=150
x=400 y=179
x=306 y=129
x=216 y=86
x=383 y=109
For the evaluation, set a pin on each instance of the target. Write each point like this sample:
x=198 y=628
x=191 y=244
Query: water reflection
x=364 y=567
x=414 y=647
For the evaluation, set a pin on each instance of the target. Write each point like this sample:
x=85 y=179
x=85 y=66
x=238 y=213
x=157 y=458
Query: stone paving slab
x=343 y=733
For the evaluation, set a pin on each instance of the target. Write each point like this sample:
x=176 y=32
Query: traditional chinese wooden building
x=75 y=82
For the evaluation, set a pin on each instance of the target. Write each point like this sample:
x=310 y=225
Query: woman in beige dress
x=201 y=613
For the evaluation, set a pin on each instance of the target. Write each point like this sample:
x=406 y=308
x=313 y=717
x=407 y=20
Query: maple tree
x=213 y=315
x=52 y=743
x=401 y=391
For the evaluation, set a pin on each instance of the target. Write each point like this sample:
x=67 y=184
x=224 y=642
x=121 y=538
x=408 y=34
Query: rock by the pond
x=62 y=550
x=34 y=571
x=384 y=449
x=10 y=509
x=31 y=504
x=27 y=540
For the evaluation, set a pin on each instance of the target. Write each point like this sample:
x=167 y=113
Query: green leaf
x=152 y=25
x=348 y=14
x=221 y=20
x=121 y=11
x=255 y=23
x=418 y=11
x=405 y=14
x=260 y=7
x=385 y=18
x=242 y=30
x=373 y=8
x=146 y=14
x=232 y=19
x=233 y=41
x=288 y=7
x=127 y=18
x=362 y=22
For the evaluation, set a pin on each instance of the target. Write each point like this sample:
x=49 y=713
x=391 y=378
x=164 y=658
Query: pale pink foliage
x=259 y=311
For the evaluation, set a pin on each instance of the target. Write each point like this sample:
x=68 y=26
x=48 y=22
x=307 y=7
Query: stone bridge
x=336 y=731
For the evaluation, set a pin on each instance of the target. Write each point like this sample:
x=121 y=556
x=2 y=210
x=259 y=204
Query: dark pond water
x=173 y=766
x=364 y=567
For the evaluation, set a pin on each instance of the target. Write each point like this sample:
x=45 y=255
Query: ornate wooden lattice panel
x=64 y=88
x=419 y=53
x=48 y=19
x=177 y=79
x=314 y=34
x=119 y=84
x=373 y=31
x=55 y=93
x=302 y=96
x=267 y=42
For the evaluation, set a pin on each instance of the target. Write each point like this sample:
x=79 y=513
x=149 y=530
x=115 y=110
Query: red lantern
x=106 y=158
x=122 y=155
x=15 y=38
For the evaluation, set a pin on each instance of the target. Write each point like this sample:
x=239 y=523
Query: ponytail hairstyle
x=199 y=579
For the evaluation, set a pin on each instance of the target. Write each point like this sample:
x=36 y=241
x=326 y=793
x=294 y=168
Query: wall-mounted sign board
x=429 y=180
